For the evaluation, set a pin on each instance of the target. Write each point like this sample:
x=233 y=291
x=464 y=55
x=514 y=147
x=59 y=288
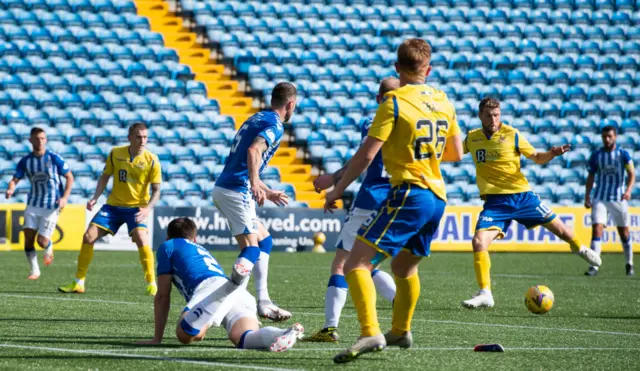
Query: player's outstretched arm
x=161 y=306
x=542 y=158
x=356 y=166
x=11 y=187
x=453 y=150
x=62 y=202
x=254 y=161
x=589 y=186
x=100 y=187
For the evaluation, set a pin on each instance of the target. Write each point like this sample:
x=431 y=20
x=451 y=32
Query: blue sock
x=266 y=245
x=251 y=253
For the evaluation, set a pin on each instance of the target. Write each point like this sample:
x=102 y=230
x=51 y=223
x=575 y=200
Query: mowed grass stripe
x=450 y=322
x=145 y=357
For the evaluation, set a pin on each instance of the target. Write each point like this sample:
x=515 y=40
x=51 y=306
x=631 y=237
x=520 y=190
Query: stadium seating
x=86 y=69
x=561 y=67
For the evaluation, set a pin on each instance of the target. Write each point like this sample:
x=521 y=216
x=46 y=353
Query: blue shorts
x=110 y=218
x=407 y=219
x=525 y=208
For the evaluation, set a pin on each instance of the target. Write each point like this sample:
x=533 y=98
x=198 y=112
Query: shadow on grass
x=259 y=361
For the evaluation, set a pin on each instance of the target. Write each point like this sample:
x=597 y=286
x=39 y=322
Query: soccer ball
x=539 y=299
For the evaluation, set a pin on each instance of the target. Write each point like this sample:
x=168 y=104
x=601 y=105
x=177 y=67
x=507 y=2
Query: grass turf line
x=606 y=305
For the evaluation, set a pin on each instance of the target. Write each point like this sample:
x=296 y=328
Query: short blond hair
x=414 y=56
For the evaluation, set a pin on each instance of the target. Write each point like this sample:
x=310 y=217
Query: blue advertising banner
x=289 y=227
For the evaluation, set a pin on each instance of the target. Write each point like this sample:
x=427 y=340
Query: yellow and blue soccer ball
x=539 y=299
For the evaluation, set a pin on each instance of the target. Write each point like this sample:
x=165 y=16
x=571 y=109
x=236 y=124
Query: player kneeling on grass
x=496 y=150
x=212 y=299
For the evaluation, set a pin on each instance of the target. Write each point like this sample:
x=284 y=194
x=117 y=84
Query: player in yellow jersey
x=134 y=169
x=496 y=150
x=416 y=128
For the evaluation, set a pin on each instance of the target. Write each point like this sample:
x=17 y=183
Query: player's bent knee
x=337 y=267
x=360 y=257
x=240 y=327
x=478 y=243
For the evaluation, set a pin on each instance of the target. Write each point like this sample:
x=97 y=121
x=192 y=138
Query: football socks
x=147 y=261
x=84 y=259
x=261 y=269
x=363 y=294
x=482 y=266
x=407 y=294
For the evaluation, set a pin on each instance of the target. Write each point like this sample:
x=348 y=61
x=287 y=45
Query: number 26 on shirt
x=433 y=133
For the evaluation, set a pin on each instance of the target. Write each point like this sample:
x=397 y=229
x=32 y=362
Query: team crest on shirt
x=141 y=165
x=502 y=139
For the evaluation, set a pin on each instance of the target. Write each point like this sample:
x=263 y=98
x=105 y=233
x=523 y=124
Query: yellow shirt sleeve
x=385 y=119
x=156 y=172
x=108 y=167
x=464 y=145
x=523 y=146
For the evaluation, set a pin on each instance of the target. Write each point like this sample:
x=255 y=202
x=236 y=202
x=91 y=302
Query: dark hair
x=182 y=228
x=137 y=126
x=36 y=131
x=282 y=93
x=489 y=103
x=609 y=128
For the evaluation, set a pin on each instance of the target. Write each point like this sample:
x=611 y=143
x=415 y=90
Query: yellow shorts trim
x=103 y=228
x=500 y=235
x=543 y=224
x=131 y=232
x=373 y=245
x=384 y=231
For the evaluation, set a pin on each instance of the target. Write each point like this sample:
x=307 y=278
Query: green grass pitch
x=595 y=323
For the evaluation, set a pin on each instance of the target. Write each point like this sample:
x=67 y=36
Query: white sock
x=79 y=281
x=596 y=245
x=385 y=285
x=49 y=248
x=32 y=258
x=261 y=339
x=486 y=291
x=260 y=274
x=628 y=251
x=210 y=310
x=334 y=301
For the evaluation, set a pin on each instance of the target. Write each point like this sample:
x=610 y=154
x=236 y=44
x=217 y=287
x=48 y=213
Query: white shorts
x=40 y=219
x=238 y=208
x=618 y=211
x=352 y=223
x=243 y=307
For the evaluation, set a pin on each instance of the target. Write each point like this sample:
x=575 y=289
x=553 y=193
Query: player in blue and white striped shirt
x=45 y=170
x=607 y=167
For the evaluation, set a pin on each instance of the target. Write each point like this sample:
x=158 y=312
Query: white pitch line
x=493 y=325
x=70 y=299
x=507 y=348
x=147 y=357
x=353 y=316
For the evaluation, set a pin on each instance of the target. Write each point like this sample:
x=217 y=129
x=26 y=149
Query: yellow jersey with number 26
x=414 y=122
x=131 y=176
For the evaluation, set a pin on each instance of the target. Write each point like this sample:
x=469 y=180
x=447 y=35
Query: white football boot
x=592 y=257
x=268 y=310
x=288 y=340
x=482 y=299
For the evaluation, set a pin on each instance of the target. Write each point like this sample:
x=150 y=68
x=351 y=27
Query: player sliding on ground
x=45 y=170
x=416 y=128
x=496 y=150
x=373 y=191
x=607 y=167
x=134 y=169
x=239 y=187
x=212 y=299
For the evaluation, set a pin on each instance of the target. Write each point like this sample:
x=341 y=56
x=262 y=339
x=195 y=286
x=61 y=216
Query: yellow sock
x=404 y=304
x=84 y=259
x=482 y=265
x=363 y=294
x=148 y=263
x=574 y=244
